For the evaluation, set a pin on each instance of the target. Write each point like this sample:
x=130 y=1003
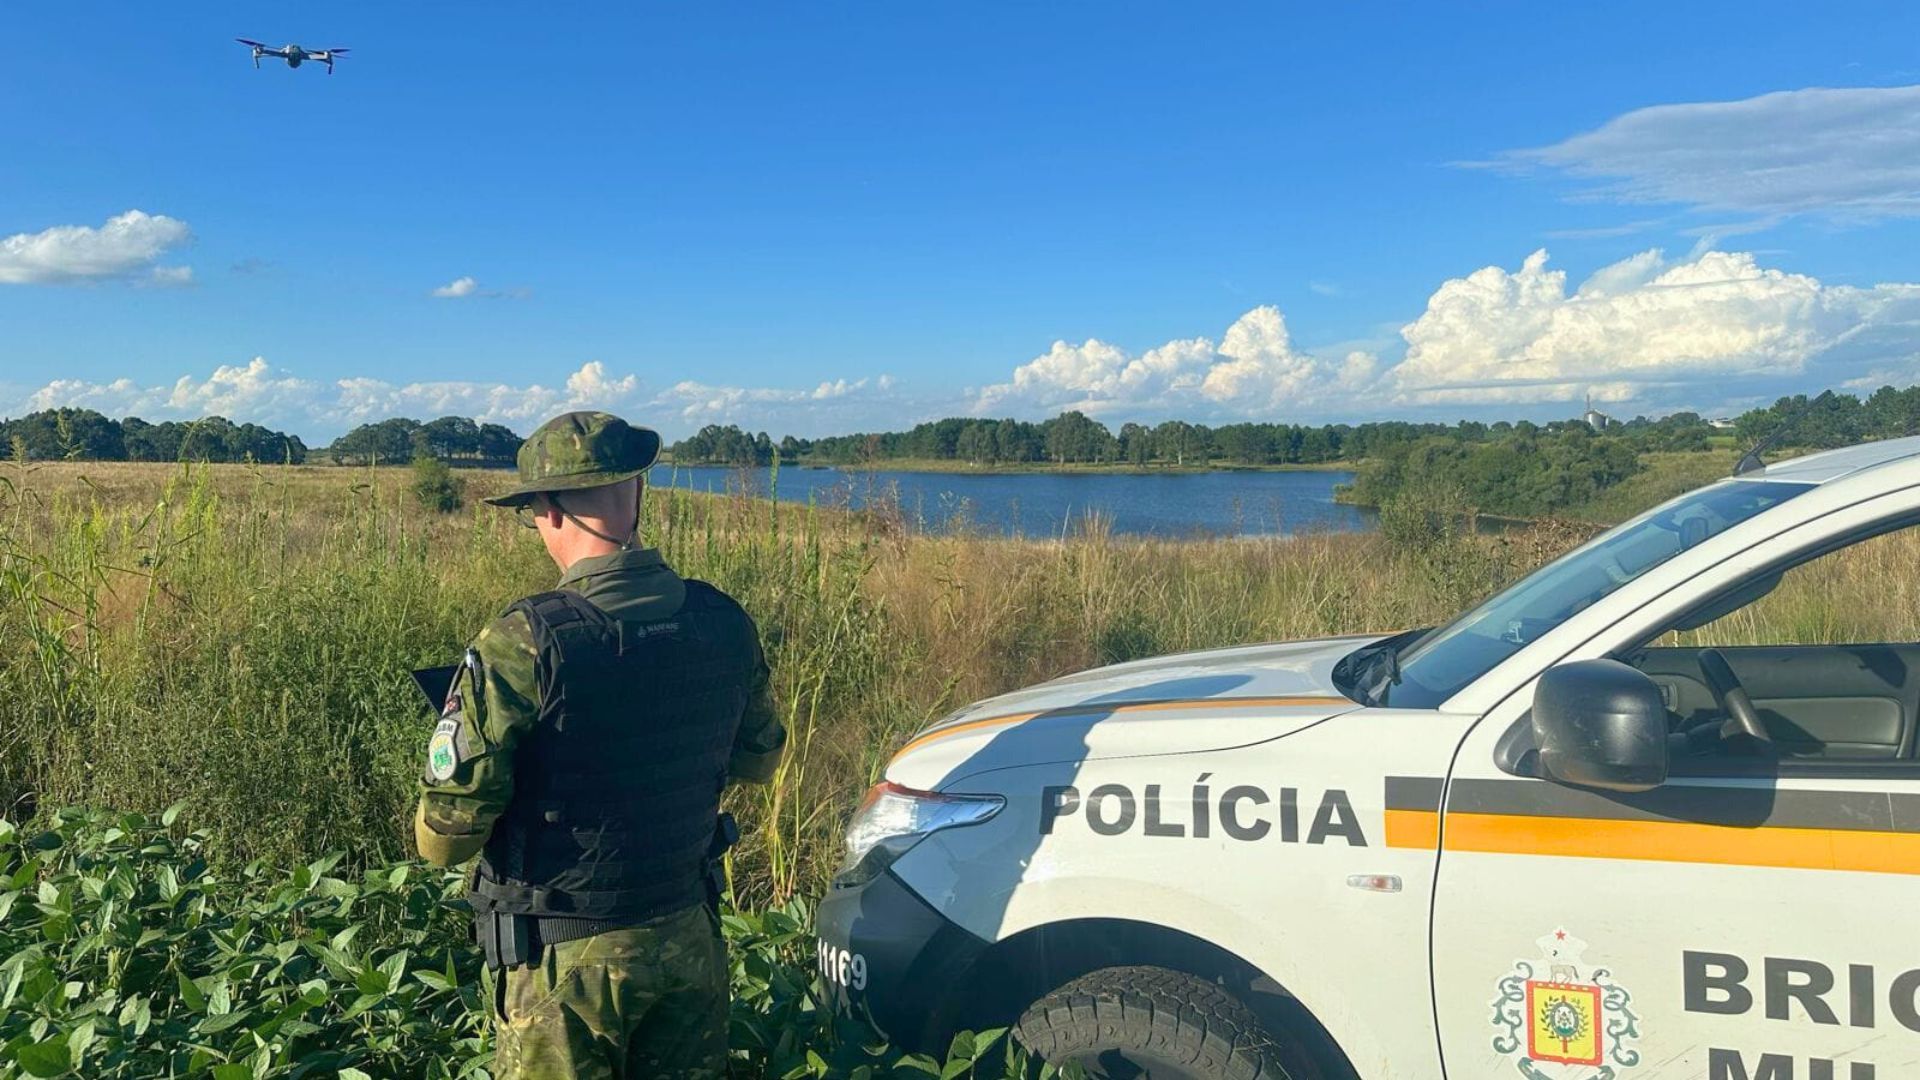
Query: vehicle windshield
x=1441 y=663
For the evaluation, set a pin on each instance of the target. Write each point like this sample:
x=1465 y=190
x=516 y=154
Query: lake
x=1172 y=504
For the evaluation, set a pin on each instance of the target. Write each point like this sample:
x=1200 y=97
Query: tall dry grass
x=1868 y=593
x=240 y=638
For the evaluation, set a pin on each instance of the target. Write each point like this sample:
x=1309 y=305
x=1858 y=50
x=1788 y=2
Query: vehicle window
x=1442 y=663
x=1819 y=661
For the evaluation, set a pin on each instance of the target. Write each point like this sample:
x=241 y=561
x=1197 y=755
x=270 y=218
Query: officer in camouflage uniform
x=581 y=754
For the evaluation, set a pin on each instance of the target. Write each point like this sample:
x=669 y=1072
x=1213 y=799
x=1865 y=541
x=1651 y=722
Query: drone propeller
x=249 y=41
x=336 y=52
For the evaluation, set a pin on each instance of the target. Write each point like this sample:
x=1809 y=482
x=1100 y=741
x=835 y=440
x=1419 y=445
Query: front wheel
x=1148 y=1023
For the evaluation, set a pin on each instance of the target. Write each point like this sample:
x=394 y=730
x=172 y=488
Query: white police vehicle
x=1549 y=840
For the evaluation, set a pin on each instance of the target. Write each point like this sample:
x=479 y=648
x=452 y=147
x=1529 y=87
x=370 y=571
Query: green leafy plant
x=124 y=954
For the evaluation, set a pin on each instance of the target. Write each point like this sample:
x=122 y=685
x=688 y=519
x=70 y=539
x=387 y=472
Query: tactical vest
x=617 y=786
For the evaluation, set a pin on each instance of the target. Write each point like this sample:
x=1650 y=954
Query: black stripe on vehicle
x=1726 y=806
x=1906 y=812
x=1414 y=792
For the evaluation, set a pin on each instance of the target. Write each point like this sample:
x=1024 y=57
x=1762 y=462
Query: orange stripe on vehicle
x=1124 y=707
x=1413 y=828
x=1660 y=841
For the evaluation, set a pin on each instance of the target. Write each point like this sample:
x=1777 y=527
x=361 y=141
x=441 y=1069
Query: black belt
x=512 y=941
x=554 y=930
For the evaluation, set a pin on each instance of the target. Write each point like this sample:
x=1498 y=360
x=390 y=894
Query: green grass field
x=240 y=637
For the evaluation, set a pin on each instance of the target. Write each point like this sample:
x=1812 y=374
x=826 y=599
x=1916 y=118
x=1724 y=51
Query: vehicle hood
x=1182 y=703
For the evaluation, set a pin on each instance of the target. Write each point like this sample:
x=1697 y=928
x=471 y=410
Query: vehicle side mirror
x=1601 y=724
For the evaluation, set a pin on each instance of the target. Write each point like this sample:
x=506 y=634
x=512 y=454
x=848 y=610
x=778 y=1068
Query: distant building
x=1594 y=418
x=1721 y=423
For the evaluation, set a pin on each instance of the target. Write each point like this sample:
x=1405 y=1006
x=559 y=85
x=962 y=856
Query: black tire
x=1148 y=1023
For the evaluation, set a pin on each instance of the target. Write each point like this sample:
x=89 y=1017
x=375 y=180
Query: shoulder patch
x=449 y=745
x=443 y=750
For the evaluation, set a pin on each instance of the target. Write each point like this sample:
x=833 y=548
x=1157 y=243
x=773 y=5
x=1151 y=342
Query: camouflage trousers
x=650 y=1001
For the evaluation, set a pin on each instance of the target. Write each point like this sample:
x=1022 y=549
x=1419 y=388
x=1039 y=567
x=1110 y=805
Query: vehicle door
x=1752 y=917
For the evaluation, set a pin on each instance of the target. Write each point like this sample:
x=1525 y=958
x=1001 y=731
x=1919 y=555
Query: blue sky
x=822 y=218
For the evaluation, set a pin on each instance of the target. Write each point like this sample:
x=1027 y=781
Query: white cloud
x=1847 y=154
x=591 y=383
x=127 y=247
x=1500 y=336
x=169 y=277
x=1655 y=333
x=1253 y=370
x=360 y=400
x=251 y=391
x=835 y=406
x=259 y=392
x=461 y=288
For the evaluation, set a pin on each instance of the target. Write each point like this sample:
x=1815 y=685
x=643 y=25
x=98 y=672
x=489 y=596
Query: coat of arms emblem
x=1560 y=1019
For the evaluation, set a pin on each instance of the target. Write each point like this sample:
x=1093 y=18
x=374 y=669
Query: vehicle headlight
x=893 y=818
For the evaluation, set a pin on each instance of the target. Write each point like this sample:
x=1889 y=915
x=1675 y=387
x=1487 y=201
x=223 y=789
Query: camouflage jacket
x=468 y=781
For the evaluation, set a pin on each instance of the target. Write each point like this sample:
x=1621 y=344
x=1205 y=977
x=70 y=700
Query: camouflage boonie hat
x=580 y=450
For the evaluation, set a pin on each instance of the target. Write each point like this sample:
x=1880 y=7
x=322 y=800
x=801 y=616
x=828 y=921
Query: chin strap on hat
x=624 y=545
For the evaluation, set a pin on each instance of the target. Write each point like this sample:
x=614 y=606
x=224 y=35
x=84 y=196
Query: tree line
x=454 y=439
x=85 y=435
x=1073 y=438
x=1832 y=419
x=1527 y=473
x=69 y=434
